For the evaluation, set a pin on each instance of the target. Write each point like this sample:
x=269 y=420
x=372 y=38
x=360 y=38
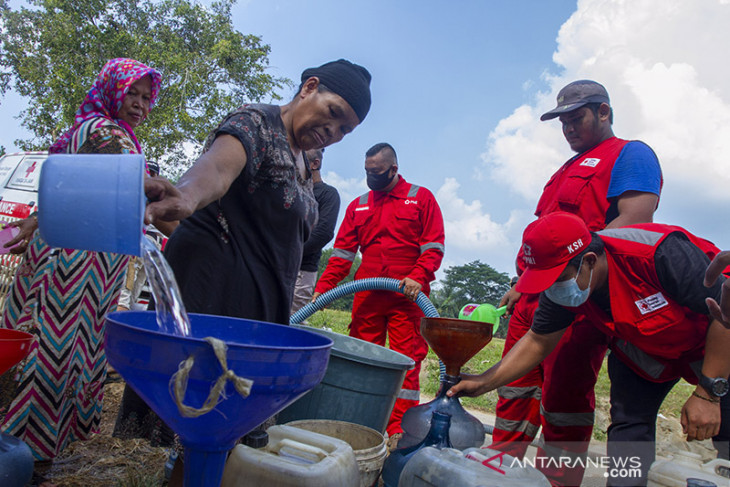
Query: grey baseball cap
x=575 y=95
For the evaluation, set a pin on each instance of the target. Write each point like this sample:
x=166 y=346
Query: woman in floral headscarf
x=62 y=295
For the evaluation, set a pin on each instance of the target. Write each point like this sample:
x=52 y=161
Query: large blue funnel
x=283 y=363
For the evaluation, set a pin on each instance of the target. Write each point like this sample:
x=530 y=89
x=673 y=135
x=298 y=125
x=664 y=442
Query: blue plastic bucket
x=283 y=362
x=16 y=462
x=92 y=202
x=361 y=384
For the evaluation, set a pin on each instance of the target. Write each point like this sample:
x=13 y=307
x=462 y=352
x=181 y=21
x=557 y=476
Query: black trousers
x=635 y=404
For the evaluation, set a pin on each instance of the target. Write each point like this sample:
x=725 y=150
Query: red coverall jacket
x=399 y=233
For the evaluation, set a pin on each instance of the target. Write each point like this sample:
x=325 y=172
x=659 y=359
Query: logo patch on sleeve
x=651 y=303
x=590 y=162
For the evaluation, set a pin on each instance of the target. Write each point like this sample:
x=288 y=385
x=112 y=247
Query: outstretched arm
x=208 y=180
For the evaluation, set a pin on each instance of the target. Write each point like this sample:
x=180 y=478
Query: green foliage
x=51 y=53
x=345 y=302
x=475 y=282
x=331 y=319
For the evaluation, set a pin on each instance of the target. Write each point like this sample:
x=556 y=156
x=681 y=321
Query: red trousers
x=557 y=395
x=377 y=314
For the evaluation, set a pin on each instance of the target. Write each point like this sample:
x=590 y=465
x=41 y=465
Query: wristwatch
x=716 y=387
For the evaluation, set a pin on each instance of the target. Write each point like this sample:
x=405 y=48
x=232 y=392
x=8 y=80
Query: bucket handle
x=179 y=382
x=300 y=451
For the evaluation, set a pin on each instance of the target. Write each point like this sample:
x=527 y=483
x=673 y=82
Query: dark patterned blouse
x=239 y=256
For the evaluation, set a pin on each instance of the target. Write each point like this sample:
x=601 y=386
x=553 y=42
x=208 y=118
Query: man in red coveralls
x=610 y=183
x=399 y=230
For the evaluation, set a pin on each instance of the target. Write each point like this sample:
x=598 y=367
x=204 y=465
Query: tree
x=345 y=302
x=52 y=52
x=475 y=282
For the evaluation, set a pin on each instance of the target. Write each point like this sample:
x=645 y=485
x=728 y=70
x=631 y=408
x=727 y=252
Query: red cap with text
x=548 y=244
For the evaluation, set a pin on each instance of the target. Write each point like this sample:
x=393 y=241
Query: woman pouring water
x=247 y=205
x=62 y=295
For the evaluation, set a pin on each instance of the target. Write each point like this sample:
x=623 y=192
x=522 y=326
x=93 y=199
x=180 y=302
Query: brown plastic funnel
x=14 y=346
x=455 y=341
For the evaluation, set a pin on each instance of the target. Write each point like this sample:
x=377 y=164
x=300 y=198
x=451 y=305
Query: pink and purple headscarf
x=105 y=97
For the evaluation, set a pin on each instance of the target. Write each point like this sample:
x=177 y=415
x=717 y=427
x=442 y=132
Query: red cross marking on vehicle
x=30 y=169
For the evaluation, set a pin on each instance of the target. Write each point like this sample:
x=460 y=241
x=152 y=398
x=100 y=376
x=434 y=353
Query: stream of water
x=171 y=315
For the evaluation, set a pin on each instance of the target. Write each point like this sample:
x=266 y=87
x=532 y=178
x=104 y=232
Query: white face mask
x=567 y=293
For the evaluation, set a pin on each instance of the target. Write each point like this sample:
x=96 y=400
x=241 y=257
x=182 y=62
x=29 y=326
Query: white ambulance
x=19 y=175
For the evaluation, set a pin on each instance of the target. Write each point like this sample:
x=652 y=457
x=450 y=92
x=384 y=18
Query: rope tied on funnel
x=179 y=382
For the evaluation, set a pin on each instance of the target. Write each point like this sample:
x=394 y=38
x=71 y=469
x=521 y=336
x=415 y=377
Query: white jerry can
x=293 y=458
x=680 y=466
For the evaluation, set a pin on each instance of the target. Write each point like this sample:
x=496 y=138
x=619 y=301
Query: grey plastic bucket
x=360 y=385
x=368 y=445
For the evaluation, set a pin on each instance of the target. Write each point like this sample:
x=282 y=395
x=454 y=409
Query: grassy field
x=338 y=321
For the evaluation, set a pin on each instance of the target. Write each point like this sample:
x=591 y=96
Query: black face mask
x=378 y=182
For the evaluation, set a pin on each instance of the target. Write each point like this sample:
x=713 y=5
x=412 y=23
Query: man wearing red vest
x=399 y=230
x=643 y=285
x=610 y=183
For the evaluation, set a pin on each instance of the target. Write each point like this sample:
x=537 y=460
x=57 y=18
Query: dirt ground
x=109 y=462
x=104 y=461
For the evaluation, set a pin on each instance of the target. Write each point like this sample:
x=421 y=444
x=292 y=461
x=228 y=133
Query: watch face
x=720 y=387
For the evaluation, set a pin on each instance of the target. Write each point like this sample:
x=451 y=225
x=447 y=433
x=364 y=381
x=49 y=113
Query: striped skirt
x=61 y=296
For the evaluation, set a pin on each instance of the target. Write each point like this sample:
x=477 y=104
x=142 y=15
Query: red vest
x=657 y=337
x=581 y=184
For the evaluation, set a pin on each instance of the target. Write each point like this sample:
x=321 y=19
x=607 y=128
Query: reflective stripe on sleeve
x=432 y=245
x=413 y=191
x=363 y=199
x=343 y=254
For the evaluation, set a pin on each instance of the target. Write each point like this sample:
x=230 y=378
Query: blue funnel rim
x=111 y=317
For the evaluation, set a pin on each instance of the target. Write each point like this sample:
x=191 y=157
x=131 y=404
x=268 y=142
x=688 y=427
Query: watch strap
x=708 y=383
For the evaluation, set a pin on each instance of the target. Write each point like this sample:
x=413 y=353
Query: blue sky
x=458 y=88
x=444 y=74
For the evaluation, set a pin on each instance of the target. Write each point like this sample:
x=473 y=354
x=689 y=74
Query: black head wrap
x=350 y=81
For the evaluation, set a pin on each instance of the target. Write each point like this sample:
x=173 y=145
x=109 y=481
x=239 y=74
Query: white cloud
x=349 y=188
x=661 y=61
x=472 y=234
x=475 y=229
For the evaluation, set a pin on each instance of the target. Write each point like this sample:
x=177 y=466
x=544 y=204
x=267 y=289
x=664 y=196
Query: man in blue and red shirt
x=643 y=286
x=610 y=183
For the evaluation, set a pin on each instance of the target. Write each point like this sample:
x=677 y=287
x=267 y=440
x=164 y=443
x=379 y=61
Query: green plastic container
x=486 y=313
x=360 y=385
